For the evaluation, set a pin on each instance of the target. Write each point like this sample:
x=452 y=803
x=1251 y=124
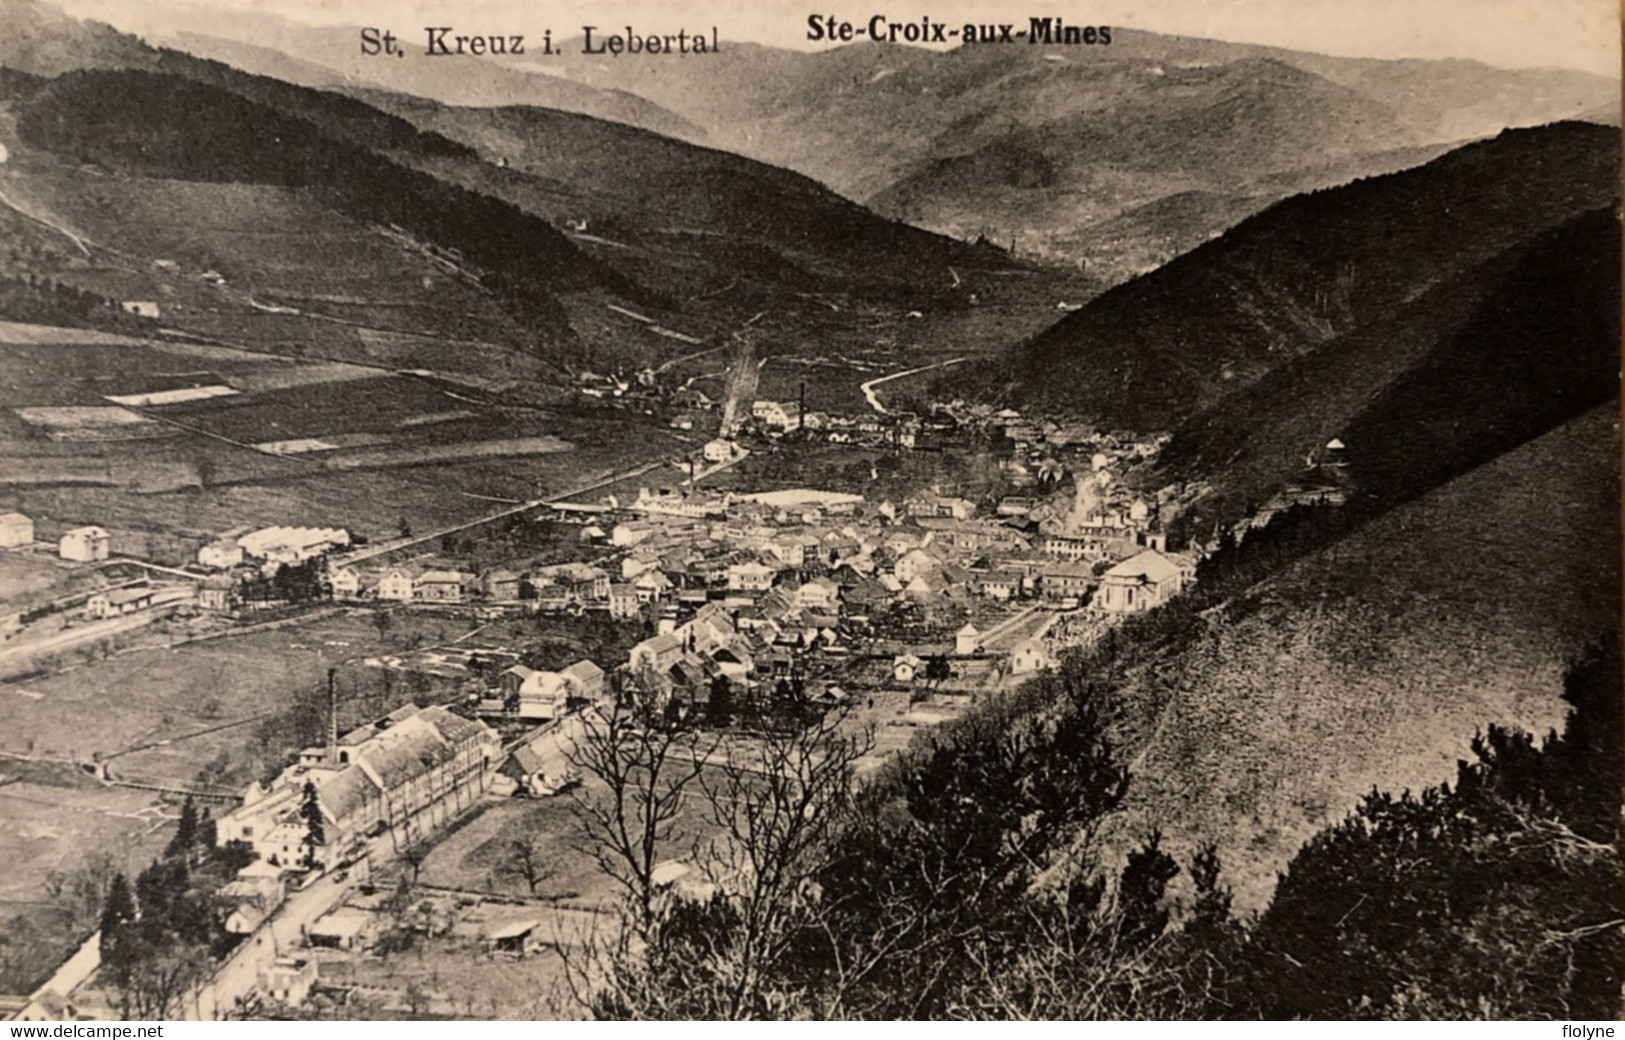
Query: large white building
x=1140 y=583
x=16 y=530
x=407 y=775
x=292 y=544
x=85 y=545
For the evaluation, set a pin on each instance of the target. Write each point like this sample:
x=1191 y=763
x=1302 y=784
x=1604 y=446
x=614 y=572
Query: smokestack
x=332 y=715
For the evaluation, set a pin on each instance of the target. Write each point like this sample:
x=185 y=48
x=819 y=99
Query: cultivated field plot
x=47 y=367
x=316 y=410
x=473 y=857
x=458 y=977
x=29 y=579
x=91 y=423
x=180 y=700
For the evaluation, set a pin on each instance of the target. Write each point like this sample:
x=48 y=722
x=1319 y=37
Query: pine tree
x=185 y=832
x=208 y=834
x=1140 y=890
x=310 y=810
x=118 y=914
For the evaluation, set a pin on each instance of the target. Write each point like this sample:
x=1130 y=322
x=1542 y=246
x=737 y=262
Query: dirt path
x=869 y=387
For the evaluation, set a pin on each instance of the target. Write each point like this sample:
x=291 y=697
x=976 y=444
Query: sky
x=1579 y=34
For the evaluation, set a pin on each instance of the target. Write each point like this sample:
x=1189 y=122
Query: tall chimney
x=332 y=716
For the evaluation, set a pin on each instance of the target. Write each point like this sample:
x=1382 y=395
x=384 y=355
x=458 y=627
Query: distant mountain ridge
x=1060 y=153
x=1038 y=145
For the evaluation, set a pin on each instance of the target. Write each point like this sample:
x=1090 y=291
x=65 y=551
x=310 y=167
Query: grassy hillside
x=159 y=126
x=1296 y=278
x=1374 y=661
x=1477 y=364
x=549 y=215
x=728 y=219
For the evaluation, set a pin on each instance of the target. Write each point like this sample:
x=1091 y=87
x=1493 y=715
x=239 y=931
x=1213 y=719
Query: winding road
x=869 y=387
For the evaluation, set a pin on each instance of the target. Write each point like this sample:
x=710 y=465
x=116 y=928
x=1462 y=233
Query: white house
x=651 y=586
x=16 y=530
x=118 y=602
x=1030 y=656
x=821 y=595
x=750 y=577
x=905 y=667
x=142 y=308
x=913 y=564
x=772 y=413
x=967 y=640
x=395 y=585
x=85 y=544
x=346 y=583
x=222 y=555
x=720 y=450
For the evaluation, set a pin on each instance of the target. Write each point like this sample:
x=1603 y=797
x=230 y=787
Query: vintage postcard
x=522 y=510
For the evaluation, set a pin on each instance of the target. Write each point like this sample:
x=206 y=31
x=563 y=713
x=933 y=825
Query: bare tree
x=776 y=802
x=643 y=772
x=725 y=948
x=526 y=861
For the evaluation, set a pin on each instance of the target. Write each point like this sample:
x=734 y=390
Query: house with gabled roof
x=501 y=585
x=396 y=585
x=442 y=586
x=624 y=604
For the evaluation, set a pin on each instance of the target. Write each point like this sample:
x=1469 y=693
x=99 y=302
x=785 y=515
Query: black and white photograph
x=533 y=511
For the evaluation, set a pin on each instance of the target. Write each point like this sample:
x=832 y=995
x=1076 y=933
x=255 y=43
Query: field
x=51 y=827
x=28 y=580
x=458 y=976
x=471 y=858
x=409 y=449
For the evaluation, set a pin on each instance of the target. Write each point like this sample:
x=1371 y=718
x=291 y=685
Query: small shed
x=513 y=936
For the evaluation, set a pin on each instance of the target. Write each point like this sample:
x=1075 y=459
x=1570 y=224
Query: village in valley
x=717 y=595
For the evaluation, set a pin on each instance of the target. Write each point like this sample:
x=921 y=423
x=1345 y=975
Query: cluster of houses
x=793 y=564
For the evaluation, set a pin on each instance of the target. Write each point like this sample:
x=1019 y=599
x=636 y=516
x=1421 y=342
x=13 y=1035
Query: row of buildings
x=404 y=775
